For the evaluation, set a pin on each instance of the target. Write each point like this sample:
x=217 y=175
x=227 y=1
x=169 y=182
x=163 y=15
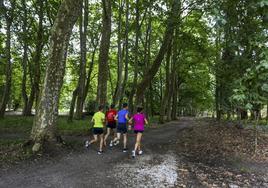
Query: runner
x=139 y=120
x=111 y=123
x=99 y=121
x=122 y=118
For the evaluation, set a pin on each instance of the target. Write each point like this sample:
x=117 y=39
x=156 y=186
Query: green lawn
x=23 y=125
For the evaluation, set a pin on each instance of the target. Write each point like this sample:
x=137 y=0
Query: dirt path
x=160 y=166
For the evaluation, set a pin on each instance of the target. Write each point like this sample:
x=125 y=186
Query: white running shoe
x=111 y=144
x=116 y=142
x=140 y=152
x=133 y=154
x=87 y=144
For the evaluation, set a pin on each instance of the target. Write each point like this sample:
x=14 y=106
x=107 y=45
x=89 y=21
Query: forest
x=175 y=58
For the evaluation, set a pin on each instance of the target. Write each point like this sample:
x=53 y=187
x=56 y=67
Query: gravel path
x=163 y=164
x=87 y=169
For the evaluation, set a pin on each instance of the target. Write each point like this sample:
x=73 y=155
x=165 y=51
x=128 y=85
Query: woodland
x=174 y=58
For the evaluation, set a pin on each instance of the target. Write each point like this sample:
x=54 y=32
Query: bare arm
x=127 y=116
x=146 y=121
x=116 y=117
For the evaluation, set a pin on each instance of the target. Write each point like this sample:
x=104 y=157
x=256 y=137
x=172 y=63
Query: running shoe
x=140 y=152
x=100 y=152
x=116 y=142
x=111 y=144
x=133 y=154
x=87 y=144
x=125 y=150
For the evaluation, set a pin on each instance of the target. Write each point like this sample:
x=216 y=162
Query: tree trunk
x=126 y=54
x=118 y=91
x=103 y=55
x=91 y=66
x=244 y=114
x=142 y=86
x=24 y=59
x=83 y=61
x=173 y=81
x=164 y=101
x=147 y=59
x=217 y=77
x=38 y=50
x=136 y=60
x=72 y=105
x=175 y=99
x=266 y=113
x=6 y=95
x=217 y=99
x=74 y=95
x=44 y=127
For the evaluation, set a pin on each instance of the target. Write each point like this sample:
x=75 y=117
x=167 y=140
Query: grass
x=16 y=124
x=23 y=125
x=14 y=131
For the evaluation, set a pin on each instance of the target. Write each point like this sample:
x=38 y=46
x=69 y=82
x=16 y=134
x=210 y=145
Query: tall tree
x=150 y=74
x=83 y=61
x=126 y=53
x=24 y=58
x=44 y=127
x=166 y=96
x=118 y=90
x=136 y=55
x=36 y=68
x=104 y=52
x=9 y=15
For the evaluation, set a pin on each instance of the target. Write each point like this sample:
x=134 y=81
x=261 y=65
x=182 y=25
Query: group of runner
x=122 y=122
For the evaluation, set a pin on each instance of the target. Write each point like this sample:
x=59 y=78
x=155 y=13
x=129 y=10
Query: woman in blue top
x=122 y=118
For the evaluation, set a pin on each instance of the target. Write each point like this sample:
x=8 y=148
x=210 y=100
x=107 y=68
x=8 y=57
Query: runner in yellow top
x=99 y=121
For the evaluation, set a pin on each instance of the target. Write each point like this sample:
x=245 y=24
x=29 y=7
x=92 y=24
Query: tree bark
x=91 y=66
x=150 y=74
x=126 y=54
x=267 y=112
x=38 y=50
x=171 y=88
x=72 y=105
x=44 y=127
x=175 y=99
x=136 y=60
x=24 y=59
x=36 y=69
x=147 y=59
x=118 y=91
x=164 y=101
x=9 y=15
x=83 y=61
x=103 y=55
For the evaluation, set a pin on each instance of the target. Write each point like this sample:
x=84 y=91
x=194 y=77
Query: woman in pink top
x=139 y=121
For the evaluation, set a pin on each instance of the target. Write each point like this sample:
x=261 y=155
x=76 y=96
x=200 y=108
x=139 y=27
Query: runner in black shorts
x=99 y=120
x=139 y=120
x=122 y=118
x=111 y=123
